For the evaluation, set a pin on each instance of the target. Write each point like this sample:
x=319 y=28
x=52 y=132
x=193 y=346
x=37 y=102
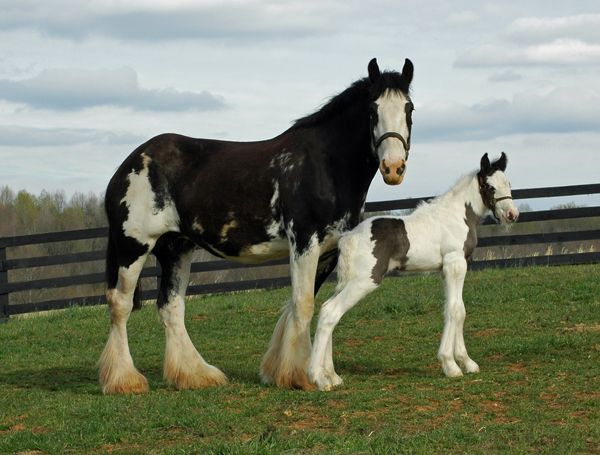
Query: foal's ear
x=501 y=162
x=407 y=71
x=373 y=71
x=485 y=165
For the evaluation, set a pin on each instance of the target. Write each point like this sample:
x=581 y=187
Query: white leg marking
x=453 y=352
x=117 y=372
x=184 y=366
x=321 y=370
x=286 y=361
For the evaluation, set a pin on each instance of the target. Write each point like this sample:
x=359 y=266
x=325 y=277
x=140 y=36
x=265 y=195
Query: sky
x=83 y=83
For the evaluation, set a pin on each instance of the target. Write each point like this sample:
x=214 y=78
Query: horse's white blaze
x=391 y=114
x=437 y=236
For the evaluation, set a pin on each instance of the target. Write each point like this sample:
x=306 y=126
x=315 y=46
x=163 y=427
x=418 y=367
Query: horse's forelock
x=391 y=81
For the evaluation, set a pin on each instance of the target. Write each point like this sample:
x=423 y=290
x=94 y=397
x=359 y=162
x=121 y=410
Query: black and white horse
x=249 y=202
x=439 y=235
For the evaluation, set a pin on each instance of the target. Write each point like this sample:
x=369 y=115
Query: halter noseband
x=488 y=198
x=384 y=136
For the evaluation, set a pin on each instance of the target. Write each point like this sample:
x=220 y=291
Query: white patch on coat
x=143 y=221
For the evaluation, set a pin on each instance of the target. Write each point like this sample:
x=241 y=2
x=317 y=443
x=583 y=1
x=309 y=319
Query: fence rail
x=6 y=265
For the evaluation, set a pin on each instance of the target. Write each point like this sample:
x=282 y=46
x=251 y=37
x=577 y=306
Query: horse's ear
x=486 y=167
x=373 y=71
x=501 y=162
x=407 y=71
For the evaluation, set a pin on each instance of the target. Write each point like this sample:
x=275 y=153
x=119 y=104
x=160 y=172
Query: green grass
x=535 y=333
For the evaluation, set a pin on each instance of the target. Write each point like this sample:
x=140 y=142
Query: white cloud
x=22 y=136
x=585 y=27
x=570 y=40
x=506 y=76
x=75 y=89
x=547 y=110
x=558 y=52
x=161 y=20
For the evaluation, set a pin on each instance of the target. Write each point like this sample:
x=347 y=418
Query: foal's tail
x=112 y=271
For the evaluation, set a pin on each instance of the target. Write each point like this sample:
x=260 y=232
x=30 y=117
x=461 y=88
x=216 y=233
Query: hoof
x=135 y=384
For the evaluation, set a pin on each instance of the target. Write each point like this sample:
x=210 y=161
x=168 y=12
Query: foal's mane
x=461 y=185
x=360 y=91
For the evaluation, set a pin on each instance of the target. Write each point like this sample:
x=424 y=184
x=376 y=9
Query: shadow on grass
x=76 y=379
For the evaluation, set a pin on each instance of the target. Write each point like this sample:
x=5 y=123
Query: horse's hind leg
x=117 y=372
x=184 y=366
x=321 y=370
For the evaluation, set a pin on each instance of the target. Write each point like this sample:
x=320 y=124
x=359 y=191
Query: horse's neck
x=465 y=193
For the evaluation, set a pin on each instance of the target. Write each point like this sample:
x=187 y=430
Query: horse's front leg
x=286 y=361
x=452 y=352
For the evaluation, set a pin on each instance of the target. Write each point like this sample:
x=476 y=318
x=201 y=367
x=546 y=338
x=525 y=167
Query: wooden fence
x=7 y=287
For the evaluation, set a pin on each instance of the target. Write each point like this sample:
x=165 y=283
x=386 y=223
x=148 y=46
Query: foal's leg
x=320 y=369
x=117 y=372
x=184 y=367
x=453 y=352
x=328 y=367
x=286 y=361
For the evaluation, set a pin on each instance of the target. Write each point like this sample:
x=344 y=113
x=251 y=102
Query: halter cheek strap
x=488 y=198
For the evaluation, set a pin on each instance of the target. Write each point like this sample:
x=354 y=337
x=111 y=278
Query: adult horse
x=249 y=202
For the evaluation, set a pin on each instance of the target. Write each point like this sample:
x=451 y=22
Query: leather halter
x=488 y=198
x=384 y=136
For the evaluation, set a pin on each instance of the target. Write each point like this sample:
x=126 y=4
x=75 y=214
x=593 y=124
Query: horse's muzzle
x=393 y=173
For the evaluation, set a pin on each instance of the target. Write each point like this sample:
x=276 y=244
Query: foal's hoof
x=470 y=367
x=452 y=371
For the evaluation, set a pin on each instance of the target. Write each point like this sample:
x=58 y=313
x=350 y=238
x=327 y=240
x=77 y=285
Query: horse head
x=495 y=189
x=391 y=120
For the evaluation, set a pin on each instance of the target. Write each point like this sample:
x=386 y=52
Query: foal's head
x=495 y=189
x=391 y=120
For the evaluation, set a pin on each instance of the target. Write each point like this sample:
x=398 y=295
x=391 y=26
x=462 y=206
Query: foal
x=439 y=235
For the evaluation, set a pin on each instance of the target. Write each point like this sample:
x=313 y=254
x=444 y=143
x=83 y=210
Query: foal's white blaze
x=391 y=112
x=506 y=210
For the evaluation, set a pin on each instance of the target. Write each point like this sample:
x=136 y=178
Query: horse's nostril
x=387 y=170
x=401 y=169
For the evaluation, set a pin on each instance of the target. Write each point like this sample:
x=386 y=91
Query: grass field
x=535 y=333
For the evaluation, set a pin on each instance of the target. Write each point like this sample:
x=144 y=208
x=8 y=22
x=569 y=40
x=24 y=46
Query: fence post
x=3 y=280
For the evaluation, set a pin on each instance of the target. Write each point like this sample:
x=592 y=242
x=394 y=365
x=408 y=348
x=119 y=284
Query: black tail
x=112 y=271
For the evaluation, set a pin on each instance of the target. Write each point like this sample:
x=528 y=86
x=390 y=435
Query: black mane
x=360 y=91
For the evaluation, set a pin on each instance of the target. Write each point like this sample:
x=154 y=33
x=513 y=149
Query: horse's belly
x=265 y=251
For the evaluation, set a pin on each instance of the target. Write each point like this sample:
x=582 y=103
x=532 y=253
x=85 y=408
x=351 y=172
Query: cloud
x=558 y=52
x=20 y=136
x=506 y=76
x=584 y=27
x=550 y=110
x=571 y=40
x=75 y=89
x=166 y=21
